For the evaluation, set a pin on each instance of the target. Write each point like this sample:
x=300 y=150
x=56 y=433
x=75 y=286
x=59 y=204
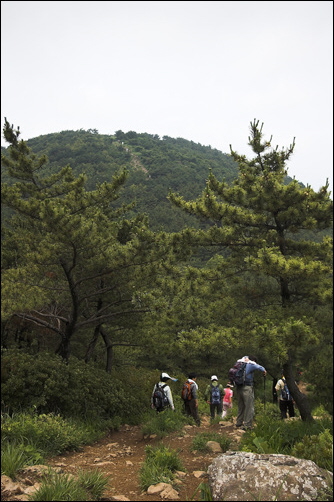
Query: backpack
x=215 y=394
x=160 y=400
x=186 y=391
x=285 y=393
x=237 y=373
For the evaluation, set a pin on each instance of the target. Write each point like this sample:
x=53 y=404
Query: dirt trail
x=121 y=454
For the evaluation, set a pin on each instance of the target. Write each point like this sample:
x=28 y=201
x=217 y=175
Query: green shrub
x=30 y=438
x=48 y=434
x=32 y=381
x=199 y=442
x=320 y=411
x=159 y=466
x=43 y=382
x=272 y=435
x=318 y=448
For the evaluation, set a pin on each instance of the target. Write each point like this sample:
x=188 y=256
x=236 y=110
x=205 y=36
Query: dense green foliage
x=87 y=276
x=254 y=222
x=37 y=436
x=45 y=383
x=155 y=165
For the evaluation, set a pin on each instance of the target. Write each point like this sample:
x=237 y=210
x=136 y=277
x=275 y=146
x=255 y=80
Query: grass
x=308 y=440
x=88 y=486
x=12 y=459
x=199 y=442
x=27 y=439
x=163 y=423
x=159 y=466
x=60 y=487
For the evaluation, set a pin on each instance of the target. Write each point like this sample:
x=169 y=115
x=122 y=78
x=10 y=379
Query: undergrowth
x=308 y=440
x=28 y=438
x=161 y=424
x=87 y=486
x=199 y=442
x=159 y=466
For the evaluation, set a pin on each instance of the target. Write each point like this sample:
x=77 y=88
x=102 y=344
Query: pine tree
x=73 y=262
x=266 y=227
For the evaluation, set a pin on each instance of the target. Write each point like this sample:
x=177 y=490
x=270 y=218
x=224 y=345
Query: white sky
x=198 y=70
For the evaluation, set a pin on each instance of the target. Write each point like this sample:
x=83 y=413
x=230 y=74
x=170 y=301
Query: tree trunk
x=63 y=349
x=109 y=347
x=300 y=399
x=92 y=344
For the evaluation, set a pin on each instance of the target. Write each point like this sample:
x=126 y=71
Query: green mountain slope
x=155 y=166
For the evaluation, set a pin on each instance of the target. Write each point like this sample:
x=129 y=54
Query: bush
x=27 y=439
x=272 y=435
x=48 y=385
x=318 y=448
x=48 y=434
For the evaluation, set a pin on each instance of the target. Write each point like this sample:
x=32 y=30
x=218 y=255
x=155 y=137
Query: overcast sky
x=201 y=71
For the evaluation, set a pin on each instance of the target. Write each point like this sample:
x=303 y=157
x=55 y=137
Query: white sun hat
x=214 y=377
x=165 y=375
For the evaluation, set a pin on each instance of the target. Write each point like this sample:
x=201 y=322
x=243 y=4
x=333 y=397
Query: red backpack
x=186 y=393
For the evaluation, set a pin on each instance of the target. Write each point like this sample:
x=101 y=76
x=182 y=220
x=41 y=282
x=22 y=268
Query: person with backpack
x=243 y=382
x=227 y=400
x=214 y=396
x=285 y=398
x=162 y=397
x=189 y=394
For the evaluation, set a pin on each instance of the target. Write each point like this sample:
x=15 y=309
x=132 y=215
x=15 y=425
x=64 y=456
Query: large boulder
x=251 y=476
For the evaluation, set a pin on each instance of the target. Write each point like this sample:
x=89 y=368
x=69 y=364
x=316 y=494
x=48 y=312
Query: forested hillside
x=99 y=238
x=156 y=165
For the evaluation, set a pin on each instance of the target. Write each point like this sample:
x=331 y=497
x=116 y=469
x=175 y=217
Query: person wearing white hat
x=164 y=377
x=214 y=396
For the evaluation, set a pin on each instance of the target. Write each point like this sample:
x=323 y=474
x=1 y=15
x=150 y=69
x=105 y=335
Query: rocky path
x=121 y=453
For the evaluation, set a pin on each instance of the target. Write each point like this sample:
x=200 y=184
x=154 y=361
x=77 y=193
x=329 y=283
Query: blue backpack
x=285 y=393
x=215 y=394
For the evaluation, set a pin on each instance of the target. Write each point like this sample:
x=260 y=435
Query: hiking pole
x=264 y=392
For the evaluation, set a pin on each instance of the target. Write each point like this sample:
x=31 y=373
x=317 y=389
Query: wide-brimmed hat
x=165 y=375
x=214 y=377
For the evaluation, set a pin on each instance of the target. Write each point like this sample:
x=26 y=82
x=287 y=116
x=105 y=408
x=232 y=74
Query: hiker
x=164 y=377
x=245 y=393
x=191 y=403
x=285 y=398
x=227 y=399
x=214 y=396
